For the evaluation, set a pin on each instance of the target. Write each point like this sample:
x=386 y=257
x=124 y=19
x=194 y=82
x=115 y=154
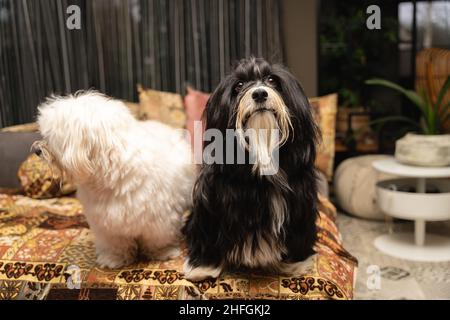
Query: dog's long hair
x=134 y=179
x=242 y=218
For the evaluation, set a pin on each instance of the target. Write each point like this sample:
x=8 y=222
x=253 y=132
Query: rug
x=399 y=279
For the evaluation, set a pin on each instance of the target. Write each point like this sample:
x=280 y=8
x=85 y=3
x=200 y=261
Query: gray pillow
x=14 y=149
x=322 y=184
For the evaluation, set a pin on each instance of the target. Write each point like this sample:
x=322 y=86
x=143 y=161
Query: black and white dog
x=241 y=216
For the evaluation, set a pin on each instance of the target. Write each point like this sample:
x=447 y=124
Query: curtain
x=161 y=44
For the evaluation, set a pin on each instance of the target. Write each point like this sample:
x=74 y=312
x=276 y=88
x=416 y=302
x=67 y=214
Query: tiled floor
x=400 y=279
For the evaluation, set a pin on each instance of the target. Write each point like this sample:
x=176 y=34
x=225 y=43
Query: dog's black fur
x=231 y=203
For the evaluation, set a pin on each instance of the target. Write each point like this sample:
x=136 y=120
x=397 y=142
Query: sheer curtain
x=161 y=44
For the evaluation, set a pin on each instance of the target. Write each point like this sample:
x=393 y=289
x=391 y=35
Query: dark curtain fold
x=161 y=44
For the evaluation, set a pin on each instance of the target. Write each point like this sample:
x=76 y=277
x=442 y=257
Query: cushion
x=166 y=107
x=39 y=180
x=26 y=127
x=14 y=148
x=194 y=104
x=325 y=109
x=47 y=252
x=355 y=186
x=322 y=184
x=134 y=108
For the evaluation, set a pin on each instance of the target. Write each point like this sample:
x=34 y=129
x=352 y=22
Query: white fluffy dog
x=134 y=178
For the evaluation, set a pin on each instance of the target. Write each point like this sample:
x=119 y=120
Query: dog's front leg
x=205 y=246
x=200 y=272
x=204 y=260
x=297 y=268
x=114 y=251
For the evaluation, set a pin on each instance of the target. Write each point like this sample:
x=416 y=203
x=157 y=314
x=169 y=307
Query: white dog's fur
x=134 y=178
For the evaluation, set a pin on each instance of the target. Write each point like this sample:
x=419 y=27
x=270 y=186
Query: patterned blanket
x=47 y=252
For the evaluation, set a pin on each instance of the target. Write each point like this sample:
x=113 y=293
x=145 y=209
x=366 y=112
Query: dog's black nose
x=36 y=150
x=259 y=95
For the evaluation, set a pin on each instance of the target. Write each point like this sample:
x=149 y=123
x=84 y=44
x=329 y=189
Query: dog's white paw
x=297 y=268
x=113 y=261
x=200 y=273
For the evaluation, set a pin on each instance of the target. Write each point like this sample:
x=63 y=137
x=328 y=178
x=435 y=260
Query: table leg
x=419 y=225
x=419 y=232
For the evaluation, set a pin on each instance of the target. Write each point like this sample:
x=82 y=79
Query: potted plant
x=430 y=146
x=348 y=55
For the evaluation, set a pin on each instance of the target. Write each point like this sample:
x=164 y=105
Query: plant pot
x=423 y=150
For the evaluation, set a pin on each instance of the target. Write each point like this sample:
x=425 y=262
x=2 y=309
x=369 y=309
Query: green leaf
x=383 y=121
x=426 y=109
x=395 y=119
x=430 y=118
x=446 y=110
x=446 y=116
x=410 y=94
x=441 y=95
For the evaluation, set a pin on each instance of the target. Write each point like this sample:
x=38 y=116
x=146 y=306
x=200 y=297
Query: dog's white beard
x=263 y=132
x=263 y=135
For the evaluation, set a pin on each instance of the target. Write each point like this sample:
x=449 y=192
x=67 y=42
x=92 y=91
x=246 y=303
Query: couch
x=47 y=252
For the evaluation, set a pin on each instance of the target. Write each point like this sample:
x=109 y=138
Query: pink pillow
x=194 y=103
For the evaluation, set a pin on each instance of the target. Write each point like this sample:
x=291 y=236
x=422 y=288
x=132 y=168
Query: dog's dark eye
x=272 y=81
x=239 y=85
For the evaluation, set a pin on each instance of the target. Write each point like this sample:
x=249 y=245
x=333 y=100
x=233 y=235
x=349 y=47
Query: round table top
x=392 y=166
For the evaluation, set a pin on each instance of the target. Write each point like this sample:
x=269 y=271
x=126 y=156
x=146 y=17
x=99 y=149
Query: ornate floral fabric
x=47 y=252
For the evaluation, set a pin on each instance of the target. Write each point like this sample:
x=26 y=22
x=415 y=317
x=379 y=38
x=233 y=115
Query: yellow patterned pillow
x=40 y=181
x=325 y=109
x=166 y=107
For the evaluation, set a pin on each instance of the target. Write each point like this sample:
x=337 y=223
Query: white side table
x=396 y=200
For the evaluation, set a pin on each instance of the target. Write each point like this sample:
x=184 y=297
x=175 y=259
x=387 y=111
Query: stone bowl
x=423 y=150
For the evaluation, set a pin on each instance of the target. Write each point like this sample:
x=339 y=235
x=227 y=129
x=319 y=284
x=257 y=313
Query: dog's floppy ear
x=77 y=155
x=66 y=139
x=219 y=106
x=306 y=131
